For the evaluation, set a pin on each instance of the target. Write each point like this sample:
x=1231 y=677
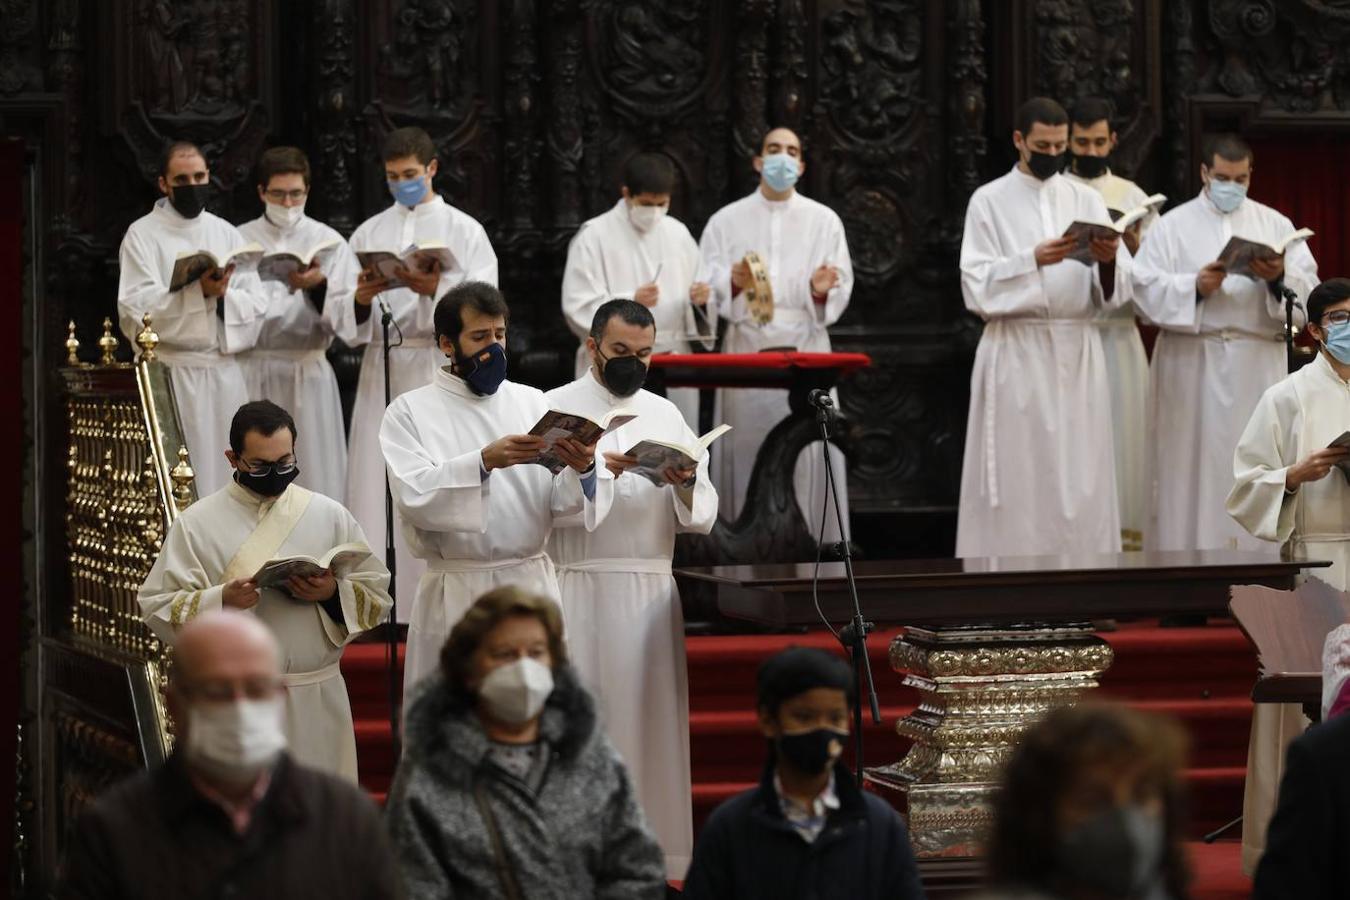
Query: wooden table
x=991 y=645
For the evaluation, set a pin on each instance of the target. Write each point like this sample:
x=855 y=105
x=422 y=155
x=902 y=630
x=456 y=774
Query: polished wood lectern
x=991 y=645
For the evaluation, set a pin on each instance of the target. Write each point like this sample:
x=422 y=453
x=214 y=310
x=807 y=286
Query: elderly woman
x=508 y=787
x=1090 y=809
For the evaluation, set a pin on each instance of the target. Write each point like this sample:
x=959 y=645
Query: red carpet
x=1202 y=676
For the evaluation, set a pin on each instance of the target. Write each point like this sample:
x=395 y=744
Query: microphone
x=820 y=399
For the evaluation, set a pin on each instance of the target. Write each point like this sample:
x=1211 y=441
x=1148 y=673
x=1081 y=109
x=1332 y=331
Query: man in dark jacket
x=1308 y=842
x=807 y=831
x=230 y=814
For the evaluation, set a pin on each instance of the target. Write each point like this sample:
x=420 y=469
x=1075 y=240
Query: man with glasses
x=288 y=363
x=230 y=814
x=217 y=546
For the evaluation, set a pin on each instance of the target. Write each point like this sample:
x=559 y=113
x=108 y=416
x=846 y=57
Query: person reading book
x=619 y=599
x=288 y=362
x=457 y=452
x=417 y=215
x=1092 y=139
x=201 y=324
x=215 y=548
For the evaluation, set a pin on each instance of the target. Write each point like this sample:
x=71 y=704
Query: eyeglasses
x=1336 y=317
x=261 y=688
x=282 y=196
x=281 y=467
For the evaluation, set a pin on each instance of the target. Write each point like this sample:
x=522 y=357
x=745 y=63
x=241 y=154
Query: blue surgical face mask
x=409 y=193
x=485 y=371
x=780 y=171
x=1336 y=338
x=1227 y=195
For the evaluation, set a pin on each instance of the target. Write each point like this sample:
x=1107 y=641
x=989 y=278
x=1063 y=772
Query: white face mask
x=645 y=218
x=285 y=216
x=235 y=741
x=515 y=693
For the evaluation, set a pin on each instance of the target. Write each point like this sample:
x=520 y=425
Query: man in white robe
x=637 y=251
x=805 y=251
x=1220 y=347
x=1287 y=489
x=1091 y=140
x=418 y=215
x=625 y=627
x=201 y=324
x=219 y=543
x=1039 y=472
x=288 y=363
x=474 y=506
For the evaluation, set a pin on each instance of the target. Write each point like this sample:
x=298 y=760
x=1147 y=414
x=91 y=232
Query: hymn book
x=1344 y=464
x=341 y=560
x=416 y=258
x=190 y=265
x=654 y=457
x=1151 y=204
x=556 y=425
x=1085 y=231
x=280 y=266
x=1238 y=254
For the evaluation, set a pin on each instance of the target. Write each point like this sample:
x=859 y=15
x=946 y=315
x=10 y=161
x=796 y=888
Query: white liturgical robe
x=625 y=627
x=194 y=342
x=288 y=362
x=609 y=258
x=1213 y=360
x=412 y=363
x=1127 y=375
x=1039 y=466
x=474 y=531
x=794 y=237
x=229 y=535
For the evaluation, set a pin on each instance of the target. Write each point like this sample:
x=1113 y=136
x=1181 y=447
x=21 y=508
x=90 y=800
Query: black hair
x=797 y=670
x=1088 y=111
x=175 y=148
x=282 y=161
x=1228 y=146
x=1328 y=293
x=629 y=311
x=476 y=295
x=1038 y=109
x=649 y=173
x=411 y=141
x=262 y=416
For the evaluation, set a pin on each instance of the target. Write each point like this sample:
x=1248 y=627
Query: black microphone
x=820 y=399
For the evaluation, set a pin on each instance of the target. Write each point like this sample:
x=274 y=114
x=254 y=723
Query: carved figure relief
x=871 y=66
x=429 y=64
x=1287 y=52
x=196 y=55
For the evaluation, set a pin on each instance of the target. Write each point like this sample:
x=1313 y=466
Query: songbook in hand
x=419 y=257
x=1344 y=464
x=1238 y=254
x=654 y=457
x=191 y=265
x=281 y=266
x=1085 y=231
x=341 y=560
x=556 y=426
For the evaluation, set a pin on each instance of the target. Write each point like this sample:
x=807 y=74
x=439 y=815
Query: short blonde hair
x=486 y=613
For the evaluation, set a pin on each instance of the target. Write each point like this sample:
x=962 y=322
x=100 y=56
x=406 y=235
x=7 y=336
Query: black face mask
x=1044 y=165
x=485 y=371
x=623 y=375
x=810 y=752
x=270 y=483
x=1090 y=166
x=189 y=199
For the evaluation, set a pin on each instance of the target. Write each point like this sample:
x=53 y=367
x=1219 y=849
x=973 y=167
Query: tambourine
x=759 y=296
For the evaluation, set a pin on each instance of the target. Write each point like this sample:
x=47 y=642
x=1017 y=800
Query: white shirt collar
x=165 y=214
x=454 y=385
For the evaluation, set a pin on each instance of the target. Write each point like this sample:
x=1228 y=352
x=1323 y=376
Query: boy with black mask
x=807 y=830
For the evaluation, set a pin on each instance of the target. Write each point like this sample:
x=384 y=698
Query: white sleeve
x=181 y=318
x=996 y=284
x=432 y=494
x=1258 y=500
x=1162 y=295
x=584 y=286
x=177 y=588
x=245 y=307
x=363 y=592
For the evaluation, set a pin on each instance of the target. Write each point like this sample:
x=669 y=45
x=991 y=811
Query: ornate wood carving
x=335 y=147
x=1289 y=53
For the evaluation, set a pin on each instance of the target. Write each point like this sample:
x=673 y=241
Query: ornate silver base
x=979 y=688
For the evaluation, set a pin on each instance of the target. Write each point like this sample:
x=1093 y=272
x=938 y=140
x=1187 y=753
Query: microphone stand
x=1290 y=301
x=854 y=634
x=390 y=558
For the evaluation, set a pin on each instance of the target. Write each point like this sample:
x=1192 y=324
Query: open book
x=1238 y=253
x=280 y=266
x=417 y=258
x=555 y=426
x=654 y=457
x=1084 y=231
x=1151 y=203
x=340 y=560
x=1343 y=465
x=190 y=265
